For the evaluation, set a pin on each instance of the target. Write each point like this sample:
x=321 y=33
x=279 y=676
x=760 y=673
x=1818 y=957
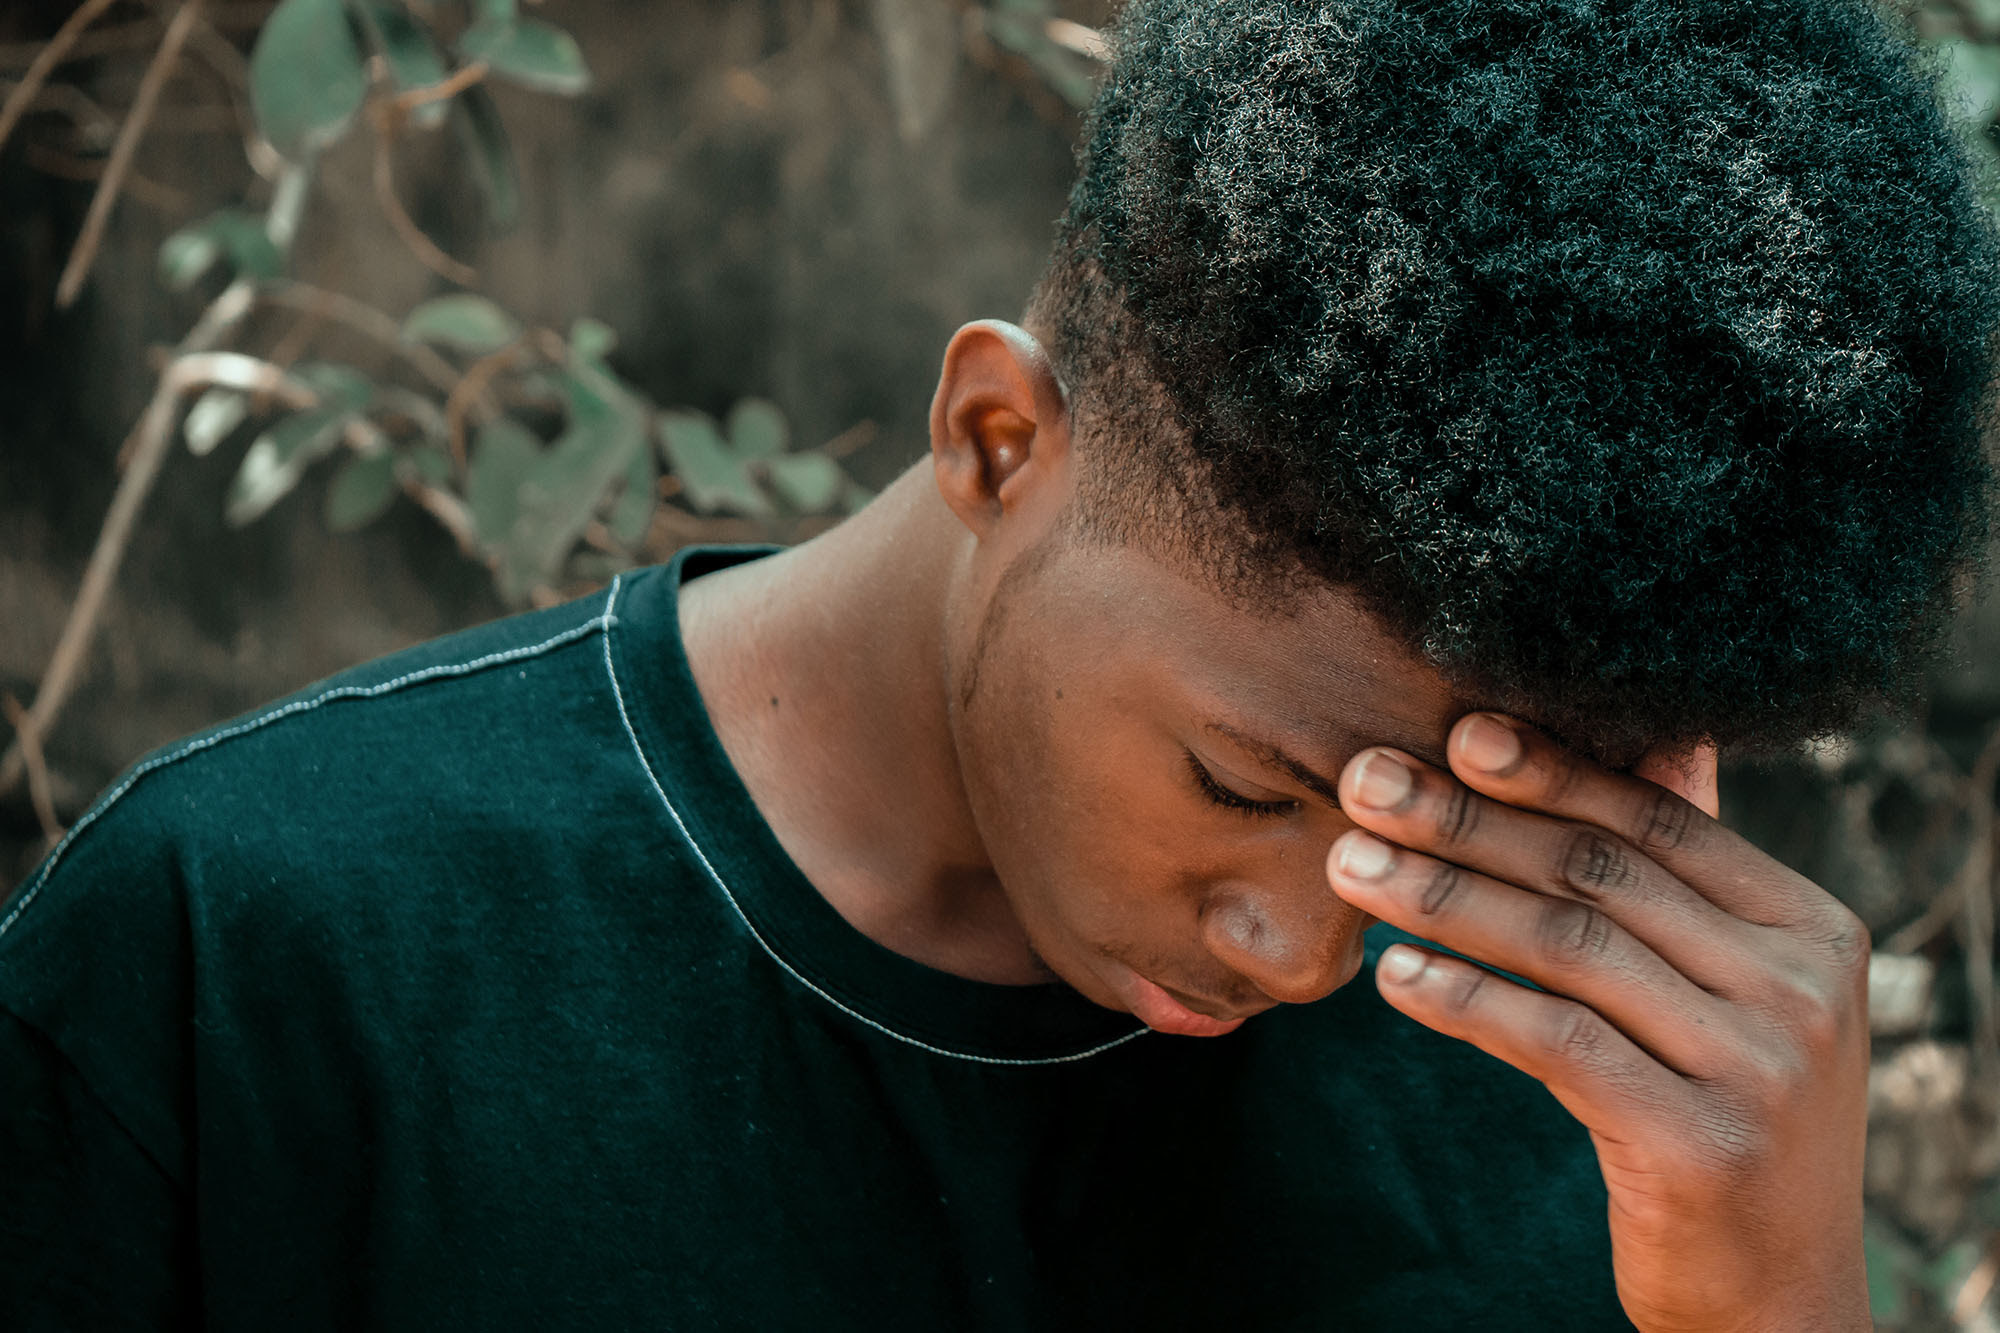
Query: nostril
x=1292 y=966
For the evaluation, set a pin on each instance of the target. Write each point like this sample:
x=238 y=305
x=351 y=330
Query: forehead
x=1321 y=677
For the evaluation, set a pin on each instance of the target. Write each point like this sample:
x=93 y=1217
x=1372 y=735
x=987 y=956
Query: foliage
x=564 y=454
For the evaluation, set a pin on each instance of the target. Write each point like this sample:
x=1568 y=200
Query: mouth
x=1163 y=1012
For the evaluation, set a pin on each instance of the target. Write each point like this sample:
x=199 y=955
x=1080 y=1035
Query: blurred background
x=327 y=326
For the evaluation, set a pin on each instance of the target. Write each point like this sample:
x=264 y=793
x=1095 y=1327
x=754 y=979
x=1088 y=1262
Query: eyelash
x=1220 y=795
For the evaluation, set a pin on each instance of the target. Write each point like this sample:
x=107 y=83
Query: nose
x=1295 y=947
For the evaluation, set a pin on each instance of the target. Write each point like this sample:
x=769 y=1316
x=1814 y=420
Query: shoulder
x=331 y=760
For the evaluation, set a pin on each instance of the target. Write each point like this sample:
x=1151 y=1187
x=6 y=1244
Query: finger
x=1562 y=945
x=1419 y=807
x=1688 y=773
x=1515 y=764
x=1594 y=1070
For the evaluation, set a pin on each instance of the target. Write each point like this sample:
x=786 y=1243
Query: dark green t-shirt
x=468 y=989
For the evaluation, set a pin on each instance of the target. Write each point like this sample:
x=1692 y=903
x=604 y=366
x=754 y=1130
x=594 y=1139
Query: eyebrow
x=1307 y=776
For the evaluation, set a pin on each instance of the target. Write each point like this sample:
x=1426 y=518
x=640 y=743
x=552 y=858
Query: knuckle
x=1576 y=1035
x=1845 y=938
x=1815 y=1008
x=1465 y=990
x=1573 y=935
x=1594 y=865
x=1456 y=815
x=1665 y=822
x=1440 y=888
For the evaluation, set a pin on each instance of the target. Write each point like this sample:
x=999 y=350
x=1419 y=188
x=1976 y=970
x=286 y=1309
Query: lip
x=1163 y=1013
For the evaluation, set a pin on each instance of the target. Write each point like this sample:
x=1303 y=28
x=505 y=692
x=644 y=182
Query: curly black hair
x=1631 y=358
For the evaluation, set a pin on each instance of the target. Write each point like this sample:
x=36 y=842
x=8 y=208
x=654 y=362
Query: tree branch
x=151 y=439
x=120 y=161
x=45 y=63
x=30 y=741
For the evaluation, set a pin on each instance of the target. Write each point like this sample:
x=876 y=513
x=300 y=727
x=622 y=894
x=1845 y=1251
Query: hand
x=1703 y=1009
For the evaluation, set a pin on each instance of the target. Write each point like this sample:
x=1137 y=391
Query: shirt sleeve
x=93 y=1234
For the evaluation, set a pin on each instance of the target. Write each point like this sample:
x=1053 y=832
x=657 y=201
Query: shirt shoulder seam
x=599 y=623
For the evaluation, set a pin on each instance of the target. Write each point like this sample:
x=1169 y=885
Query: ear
x=1688 y=773
x=999 y=422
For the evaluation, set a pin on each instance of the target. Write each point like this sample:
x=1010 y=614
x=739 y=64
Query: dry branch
x=371 y=324
x=120 y=162
x=151 y=440
x=423 y=247
x=30 y=742
x=471 y=390
x=45 y=63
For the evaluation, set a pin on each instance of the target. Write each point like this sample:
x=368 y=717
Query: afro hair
x=1631 y=359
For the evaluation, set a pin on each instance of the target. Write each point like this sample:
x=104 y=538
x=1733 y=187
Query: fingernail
x=1383 y=783
x=1364 y=857
x=1400 y=962
x=1488 y=744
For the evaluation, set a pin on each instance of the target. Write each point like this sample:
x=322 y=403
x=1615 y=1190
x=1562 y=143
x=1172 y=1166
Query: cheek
x=1071 y=802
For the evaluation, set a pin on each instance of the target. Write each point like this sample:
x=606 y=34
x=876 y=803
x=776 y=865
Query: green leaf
x=185 y=256
x=562 y=493
x=406 y=47
x=633 y=514
x=278 y=458
x=503 y=454
x=809 y=483
x=486 y=143
x=530 y=52
x=213 y=416
x=591 y=339
x=362 y=492
x=463 y=321
x=712 y=477
x=757 y=429
x=493 y=11
x=189 y=253
x=338 y=386
x=306 y=76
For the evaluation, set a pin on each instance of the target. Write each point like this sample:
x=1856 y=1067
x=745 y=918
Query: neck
x=824 y=671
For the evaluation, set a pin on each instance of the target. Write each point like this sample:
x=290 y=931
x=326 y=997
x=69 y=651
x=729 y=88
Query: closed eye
x=1207 y=784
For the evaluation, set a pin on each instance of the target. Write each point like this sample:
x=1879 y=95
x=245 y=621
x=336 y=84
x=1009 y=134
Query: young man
x=1440 y=427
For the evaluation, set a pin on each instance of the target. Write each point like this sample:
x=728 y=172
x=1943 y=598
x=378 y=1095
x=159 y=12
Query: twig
x=95 y=126
x=471 y=389
x=462 y=78
x=370 y=323
x=220 y=54
x=30 y=741
x=448 y=510
x=45 y=63
x=120 y=161
x=1072 y=36
x=153 y=436
x=852 y=440
x=425 y=249
x=294 y=340
x=133 y=36
x=149 y=192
